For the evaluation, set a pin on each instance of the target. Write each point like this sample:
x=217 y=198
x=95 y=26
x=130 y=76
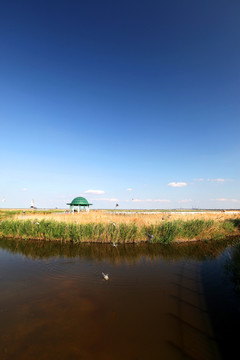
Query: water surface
x=161 y=302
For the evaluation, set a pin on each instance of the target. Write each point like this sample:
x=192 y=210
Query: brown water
x=159 y=303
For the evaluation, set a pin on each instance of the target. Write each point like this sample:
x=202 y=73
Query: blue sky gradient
x=115 y=95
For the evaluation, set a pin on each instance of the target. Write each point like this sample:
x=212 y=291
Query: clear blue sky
x=120 y=100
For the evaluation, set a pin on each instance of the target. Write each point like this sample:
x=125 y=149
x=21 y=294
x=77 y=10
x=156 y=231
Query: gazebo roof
x=79 y=201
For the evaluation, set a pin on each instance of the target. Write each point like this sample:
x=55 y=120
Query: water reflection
x=200 y=250
x=55 y=304
x=232 y=267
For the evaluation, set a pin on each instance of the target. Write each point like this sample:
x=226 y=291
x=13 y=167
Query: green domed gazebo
x=79 y=202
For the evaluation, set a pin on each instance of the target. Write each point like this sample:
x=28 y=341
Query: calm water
x=161 y=302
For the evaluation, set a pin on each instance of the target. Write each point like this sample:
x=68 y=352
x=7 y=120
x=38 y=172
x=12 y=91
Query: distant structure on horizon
x=32 y=205
x=79 y=202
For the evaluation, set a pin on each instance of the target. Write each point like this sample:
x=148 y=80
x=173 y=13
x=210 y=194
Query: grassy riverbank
x=14 y=213
x=164 y=232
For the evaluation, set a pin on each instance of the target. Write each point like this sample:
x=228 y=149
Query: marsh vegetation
x=164 y=232
x=107 y=227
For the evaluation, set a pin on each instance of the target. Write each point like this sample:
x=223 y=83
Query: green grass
x=8 y=214
x=165 y=232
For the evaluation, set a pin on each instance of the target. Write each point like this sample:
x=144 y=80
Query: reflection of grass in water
x=164 y=232
x=126 y=252
x=232 y=267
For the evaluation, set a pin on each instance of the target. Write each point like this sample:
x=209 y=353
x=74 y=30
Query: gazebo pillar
x=79 y=202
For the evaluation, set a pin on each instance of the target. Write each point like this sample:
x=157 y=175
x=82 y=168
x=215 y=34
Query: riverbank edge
x=87 y=241
x=164 y=232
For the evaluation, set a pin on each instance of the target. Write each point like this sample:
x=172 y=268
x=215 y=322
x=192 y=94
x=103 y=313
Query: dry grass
x=103 y=226
x=140 y=219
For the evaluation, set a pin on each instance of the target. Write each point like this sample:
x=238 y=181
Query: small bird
x=114 y=244
x=36 y=223
x=150 y=237
x=105 y=276
x=112 y=223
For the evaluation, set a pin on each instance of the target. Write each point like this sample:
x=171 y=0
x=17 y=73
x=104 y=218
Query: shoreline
x=87 y=241
x=165 y=232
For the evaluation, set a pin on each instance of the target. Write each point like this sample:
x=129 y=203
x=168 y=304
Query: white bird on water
x=105 y=276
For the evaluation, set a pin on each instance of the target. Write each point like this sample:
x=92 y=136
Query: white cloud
x=158 y=200
x=129 y=189
x=94 y=192
x=177 y=184
x=198 y=179
x=106 y=199
x=224 y=199
x=24 y=189
x=185 y=201
x=151 y=200
x=218 y=180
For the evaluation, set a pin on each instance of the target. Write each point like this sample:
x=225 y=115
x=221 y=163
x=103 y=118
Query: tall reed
x=164 y=232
